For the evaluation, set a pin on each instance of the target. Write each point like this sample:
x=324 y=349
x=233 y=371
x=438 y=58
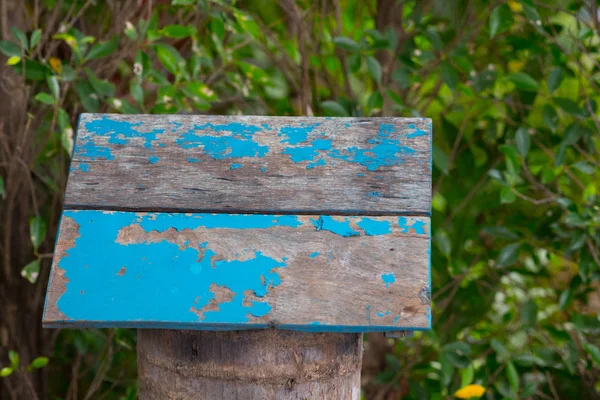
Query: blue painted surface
x=417 y=226
x=313 y=255
x=120 y=132
x=236 y=166
x=237 y=140
x=374 y=227
x=388 y=279
x=328 y=223
x=174 y=281
x=384 y=150
x=153 y=159
x=193 y=160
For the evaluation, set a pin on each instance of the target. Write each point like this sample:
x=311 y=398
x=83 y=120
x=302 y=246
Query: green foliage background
x=512 y=88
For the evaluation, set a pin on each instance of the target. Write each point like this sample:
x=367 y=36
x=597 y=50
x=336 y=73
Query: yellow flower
x=55 y=64
x=515 y=6
x=470 y=391
x=515 y=66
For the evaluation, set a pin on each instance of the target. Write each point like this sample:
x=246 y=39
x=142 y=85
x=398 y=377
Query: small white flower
x=538 y=22
x=491 y=67
x=138 y=68
x=472 y=73
x=208 y=92
x=417 y=52
x=62 y=28
x=166 y=99
x=117 y=103
x=129 y=26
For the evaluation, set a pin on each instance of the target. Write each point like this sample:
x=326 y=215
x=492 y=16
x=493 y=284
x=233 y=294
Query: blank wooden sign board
x=223 y=223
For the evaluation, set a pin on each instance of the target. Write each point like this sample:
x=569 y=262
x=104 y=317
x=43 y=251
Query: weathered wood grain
x=352 y=166
x=236 y=271
x=265 y=365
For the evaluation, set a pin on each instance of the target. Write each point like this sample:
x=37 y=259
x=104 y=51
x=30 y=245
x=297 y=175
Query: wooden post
x=250 y=252
x=252 y=365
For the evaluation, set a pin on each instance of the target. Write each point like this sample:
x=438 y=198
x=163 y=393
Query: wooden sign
x=221 y=223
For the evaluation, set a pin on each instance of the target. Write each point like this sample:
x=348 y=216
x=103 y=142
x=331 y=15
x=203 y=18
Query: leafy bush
x=512 y=88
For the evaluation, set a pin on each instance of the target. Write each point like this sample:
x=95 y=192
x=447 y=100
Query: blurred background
x=512 y=88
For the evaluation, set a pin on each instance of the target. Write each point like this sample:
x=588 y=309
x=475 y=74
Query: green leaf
x=458 y=353
x=183 y=2
x=31 y=271
x=449 y=75
x=443 y=242
x=550 y=117
x=130 y=31
x=593 y=351
x=102 y=87
x=500 y=232
x=103 y=49
x=501 y=19
x=334 y=109
x=2 y=189
x=584 y=167
x=555 y=79
x=35 y=38
x=513 y=376
x=467 y=375
x=569 y=106
x=45 y=98
x=168 y=58
x=523 y=81
x=346 y=43
x=13 y=357
x=528 y=314
x=440 y=159
x=10 y=49
x=507 y=196
x=523 y=141
x=53 y=85
x=37 y=231
x=508 y=255
x=177 y=31
x=501 y=351
x=39 y=362
x=6 y=371
x=374 y=68
x=20 y=36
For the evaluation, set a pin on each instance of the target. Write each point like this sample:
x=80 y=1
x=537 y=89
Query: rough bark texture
x=249 y=365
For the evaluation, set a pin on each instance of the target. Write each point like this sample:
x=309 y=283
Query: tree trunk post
x=252 y=365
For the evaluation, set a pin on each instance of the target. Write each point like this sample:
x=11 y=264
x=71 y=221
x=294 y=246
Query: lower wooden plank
x=235 y=271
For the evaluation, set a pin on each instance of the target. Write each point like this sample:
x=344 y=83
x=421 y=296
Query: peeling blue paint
x=418 y=226
x=163 y=221
x=374 y=227
x=263 y=169
x=296 y=134
x=239 y=144
x=328 y=223
x=374 y=194
x=83 y=167
x=120 y=132
x=385 y=150
x=176 y=125
x=389 y=279
x=360 y=174
x=153 y=159
x=313 y=255
x=89 y=149
x=236 y=166
x=179 y=279
x=318 y=163
x=193 y=160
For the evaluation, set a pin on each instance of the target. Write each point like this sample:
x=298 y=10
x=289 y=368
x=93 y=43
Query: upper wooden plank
x=251 y=164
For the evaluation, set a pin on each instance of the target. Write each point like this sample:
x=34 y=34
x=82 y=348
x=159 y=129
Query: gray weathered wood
x=252 y=164
x=249 y=365
x=221 y=271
